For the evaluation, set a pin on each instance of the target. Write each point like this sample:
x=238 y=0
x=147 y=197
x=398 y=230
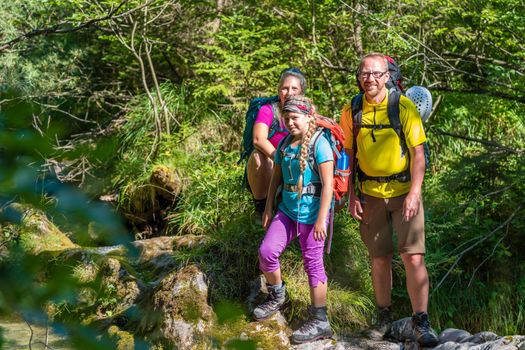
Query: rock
x=149 y=249
x=358 y=343
x=155 y=255
x=127 y=288
x=258 y=293
x=410 y=344
x=317 y=345
x=481 y=337
x=401 y=330
x=124 y=340
x=176 y=314
x=453 y=335
x=38 y=233
x=145 y=205
x=450 y=345
x=166 y=181
x=110 y=197
x=503 y=343
x=272 y=333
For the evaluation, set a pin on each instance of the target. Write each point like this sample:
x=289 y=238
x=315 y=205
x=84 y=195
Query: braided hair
x=302 y=105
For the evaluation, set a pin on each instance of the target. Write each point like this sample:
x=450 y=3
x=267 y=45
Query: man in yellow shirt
x=390 y=184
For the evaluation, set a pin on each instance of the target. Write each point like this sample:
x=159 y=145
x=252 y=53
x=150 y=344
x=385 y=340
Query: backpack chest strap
x=313 y=188
x=374 y=126
x=290 y=155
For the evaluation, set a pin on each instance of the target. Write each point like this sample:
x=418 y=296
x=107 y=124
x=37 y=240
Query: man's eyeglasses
x=377 y=75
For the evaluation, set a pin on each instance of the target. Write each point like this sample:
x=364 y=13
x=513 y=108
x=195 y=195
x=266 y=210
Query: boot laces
x=271 y=302
x=308 y=326
x=422 y=325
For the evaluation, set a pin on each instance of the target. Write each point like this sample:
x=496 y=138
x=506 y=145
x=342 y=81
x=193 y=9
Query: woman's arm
x=277 y=178
x=326 y=172
x=260 y=140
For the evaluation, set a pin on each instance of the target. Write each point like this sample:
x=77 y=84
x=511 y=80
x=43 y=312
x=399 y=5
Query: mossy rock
x=166 y=181
x=39 y=234
x=177 y=314
x=123 y=340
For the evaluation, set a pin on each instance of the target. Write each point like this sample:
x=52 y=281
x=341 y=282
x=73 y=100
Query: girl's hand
x=266 y=218
x=320 y=230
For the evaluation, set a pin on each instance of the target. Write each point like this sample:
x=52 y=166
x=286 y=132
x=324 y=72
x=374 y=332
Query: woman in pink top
x=260 y=163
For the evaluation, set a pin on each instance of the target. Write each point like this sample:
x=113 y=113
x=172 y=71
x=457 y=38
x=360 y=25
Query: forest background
x=95 y=95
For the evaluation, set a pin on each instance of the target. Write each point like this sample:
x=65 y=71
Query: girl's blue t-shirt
x=307 y=209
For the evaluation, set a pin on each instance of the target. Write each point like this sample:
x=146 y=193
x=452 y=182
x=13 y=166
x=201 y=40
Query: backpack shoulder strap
x=275 y=126
x=312 y=145
x=357 y=117
x=393 y=115
x=284 y=143
x=357 y=109
x=393 y=110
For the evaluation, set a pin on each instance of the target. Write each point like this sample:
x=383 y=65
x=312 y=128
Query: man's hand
x=411 y=206
x=354 y=207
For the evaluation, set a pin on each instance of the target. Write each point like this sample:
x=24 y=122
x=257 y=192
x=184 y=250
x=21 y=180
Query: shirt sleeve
x=265 y=115
x=412 y=123
x=346 y=125
x=323 y=151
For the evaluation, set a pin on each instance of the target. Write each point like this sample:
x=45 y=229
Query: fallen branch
x=483 y=142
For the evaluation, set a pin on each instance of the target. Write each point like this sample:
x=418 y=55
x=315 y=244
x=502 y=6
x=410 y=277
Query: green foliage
x=474 y=207
x=25 y=188
x=82 y=103
x=214 y=196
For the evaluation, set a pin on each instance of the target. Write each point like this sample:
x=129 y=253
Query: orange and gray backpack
x=329 y=129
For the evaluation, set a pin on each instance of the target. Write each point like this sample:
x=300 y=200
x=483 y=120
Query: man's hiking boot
x=425 y=335
x=259 y=205
x=382 y=323
x=274 y=302
x=316 y=328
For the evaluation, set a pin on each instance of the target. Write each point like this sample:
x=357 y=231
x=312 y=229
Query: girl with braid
x=303 y=213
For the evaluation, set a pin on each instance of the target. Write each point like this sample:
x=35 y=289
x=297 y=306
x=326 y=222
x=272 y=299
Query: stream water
x=17 y=334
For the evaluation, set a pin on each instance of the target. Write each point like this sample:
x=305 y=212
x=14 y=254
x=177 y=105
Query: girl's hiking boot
x=425 y=335
x=274 y=302
x=382 y=324
x=316 y=328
